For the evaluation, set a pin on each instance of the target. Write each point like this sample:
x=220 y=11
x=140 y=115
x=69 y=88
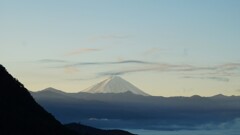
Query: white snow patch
x=114 y=84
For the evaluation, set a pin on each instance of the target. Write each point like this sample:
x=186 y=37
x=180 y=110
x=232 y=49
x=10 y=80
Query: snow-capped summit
x=114 y=84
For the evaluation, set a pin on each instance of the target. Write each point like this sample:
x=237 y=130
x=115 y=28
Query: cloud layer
x=217 y=72
x=110 y=63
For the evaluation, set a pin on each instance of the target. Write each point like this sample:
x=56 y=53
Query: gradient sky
x=164 y=47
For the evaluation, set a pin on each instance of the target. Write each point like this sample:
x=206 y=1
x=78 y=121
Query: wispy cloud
x=218 y=73
x=155 y=67
x=151 y=51
x=229 y=66
x=111 y=73
x=109 y=63
x=223 y=79
x=108 y=37
x=215 y=72
x=82 y=50
x=51 y=61
x=71 y=70
x=238 y=90
x=83 y=79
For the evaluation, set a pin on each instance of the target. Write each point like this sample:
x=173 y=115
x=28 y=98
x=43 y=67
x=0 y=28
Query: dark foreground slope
x=86 y=130
x=20 y=114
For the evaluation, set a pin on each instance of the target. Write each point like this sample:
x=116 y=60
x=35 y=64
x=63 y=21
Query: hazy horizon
x=84 y=91
x=165 y=47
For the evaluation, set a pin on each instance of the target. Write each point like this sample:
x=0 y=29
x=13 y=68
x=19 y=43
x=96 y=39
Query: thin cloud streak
x=217 y=72
x=229 y=66
x=151 y=51
x=109 y=63
x=82 y=79
x=156 y=67
x=71 y=70
x=82 y=50
x=51 y=61
x=108 y=37
x=222 y=79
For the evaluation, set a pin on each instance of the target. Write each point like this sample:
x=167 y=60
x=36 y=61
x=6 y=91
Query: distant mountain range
x=20 y=114
x=130 y=110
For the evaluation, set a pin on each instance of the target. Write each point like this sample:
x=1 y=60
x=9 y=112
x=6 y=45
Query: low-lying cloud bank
x=225 y=127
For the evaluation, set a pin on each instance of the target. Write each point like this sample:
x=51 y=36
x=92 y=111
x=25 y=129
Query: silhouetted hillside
x=20 y=114
x=86 y=130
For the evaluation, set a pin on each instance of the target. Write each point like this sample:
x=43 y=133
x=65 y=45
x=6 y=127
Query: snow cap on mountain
x=114 y=84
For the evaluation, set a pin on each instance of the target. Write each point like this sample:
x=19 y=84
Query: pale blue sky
x=165 y=47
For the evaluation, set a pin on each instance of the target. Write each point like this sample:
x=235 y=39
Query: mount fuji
x=115 y=103
x=115 y=84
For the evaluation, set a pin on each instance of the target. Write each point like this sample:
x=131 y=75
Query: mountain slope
x=114 y=84
x=82 y=129
x=20 y=114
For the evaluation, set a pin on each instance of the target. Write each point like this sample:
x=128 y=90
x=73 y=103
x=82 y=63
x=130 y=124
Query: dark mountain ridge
x=128 y=110
x=20 y=114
